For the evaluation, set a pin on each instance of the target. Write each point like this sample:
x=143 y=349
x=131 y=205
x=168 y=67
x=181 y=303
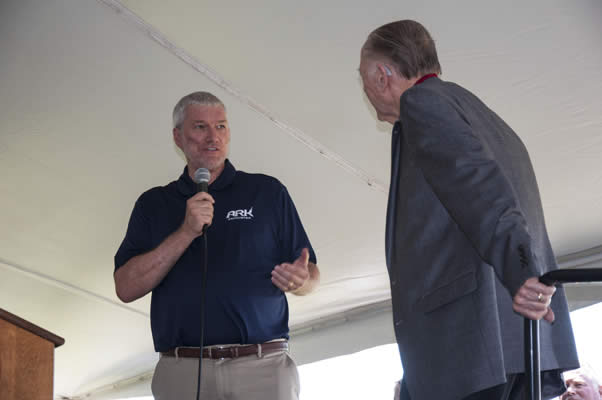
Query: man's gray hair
x=201 y=98
x=586 y=373
x=408 y=45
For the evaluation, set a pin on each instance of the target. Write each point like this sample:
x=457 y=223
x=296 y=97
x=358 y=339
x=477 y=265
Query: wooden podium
x=26 y=359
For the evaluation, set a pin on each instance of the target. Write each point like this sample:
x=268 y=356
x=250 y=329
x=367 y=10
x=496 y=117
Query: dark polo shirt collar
x=187 y=187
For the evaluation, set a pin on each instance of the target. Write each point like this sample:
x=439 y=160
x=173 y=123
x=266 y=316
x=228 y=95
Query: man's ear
x=176 y=136
x=384 y=74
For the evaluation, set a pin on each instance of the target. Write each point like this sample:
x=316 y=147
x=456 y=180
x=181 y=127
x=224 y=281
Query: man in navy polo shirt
x=257 y=251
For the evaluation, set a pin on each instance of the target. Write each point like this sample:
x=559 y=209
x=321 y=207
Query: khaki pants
x=272 y=376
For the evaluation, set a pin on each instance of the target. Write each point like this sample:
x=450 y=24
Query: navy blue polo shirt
x=255 y=227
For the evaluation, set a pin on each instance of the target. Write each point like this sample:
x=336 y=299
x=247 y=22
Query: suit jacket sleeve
x=467 y=179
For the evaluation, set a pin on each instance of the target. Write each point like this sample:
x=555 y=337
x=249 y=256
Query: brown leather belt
x=229 y=351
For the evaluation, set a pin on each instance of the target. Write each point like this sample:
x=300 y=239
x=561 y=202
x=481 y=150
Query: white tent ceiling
x=86 y=92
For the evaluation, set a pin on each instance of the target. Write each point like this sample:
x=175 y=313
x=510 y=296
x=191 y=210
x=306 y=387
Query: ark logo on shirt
x=240 y=214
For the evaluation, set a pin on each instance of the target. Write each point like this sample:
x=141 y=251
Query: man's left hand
x=292 y=276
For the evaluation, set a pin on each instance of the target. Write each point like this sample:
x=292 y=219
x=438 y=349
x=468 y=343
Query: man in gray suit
x=465 y=237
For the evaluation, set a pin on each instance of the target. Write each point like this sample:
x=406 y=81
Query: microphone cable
x=202 y=312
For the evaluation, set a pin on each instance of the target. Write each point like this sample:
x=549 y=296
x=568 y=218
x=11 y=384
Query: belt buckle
x=232 y=350
x=219 y=347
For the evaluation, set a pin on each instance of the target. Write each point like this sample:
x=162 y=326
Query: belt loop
x=259 y=354
x=176 y=352
x=236 y=352
x=209 y=348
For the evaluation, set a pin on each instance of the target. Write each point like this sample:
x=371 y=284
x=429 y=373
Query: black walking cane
x=532 y=367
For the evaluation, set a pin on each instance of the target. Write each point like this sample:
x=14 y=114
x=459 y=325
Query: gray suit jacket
x=465 y=229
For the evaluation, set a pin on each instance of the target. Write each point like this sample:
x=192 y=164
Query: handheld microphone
x=201 y=178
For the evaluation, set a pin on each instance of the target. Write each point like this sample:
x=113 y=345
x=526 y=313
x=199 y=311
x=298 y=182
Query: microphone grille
x=201 y=175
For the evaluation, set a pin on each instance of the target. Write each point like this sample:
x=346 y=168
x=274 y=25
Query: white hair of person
x=586 y=373
x=200 y=98
x=397 y=391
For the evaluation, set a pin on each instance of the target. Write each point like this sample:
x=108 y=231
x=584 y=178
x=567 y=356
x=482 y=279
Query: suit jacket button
x=393 y=282
x=398 y=322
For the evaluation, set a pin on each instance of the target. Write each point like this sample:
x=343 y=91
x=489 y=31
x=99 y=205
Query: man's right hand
x=199 y=212
x=144 y=272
